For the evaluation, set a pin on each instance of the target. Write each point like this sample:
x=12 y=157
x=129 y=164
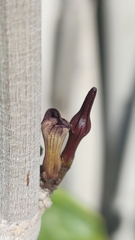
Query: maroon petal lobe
x=81 y=125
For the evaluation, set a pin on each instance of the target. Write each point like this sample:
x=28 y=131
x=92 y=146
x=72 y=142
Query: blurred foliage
x=68 y=220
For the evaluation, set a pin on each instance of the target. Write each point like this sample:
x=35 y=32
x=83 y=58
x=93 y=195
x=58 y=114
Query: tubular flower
x=54 y=130
x=81 y=125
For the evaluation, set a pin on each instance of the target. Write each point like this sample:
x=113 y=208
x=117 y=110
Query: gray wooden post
x=20 y=97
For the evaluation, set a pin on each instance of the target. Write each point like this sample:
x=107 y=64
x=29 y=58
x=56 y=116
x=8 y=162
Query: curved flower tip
x=53 y=114
x=54 y=130
x=81 y=125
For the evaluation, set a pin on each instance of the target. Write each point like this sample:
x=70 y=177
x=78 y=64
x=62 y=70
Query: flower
x=81 y=125
x=54 y=130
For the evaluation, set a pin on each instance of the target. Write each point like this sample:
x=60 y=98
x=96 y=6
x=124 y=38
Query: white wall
x=77 y=71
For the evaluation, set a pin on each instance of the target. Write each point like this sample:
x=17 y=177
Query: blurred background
x=87 y=43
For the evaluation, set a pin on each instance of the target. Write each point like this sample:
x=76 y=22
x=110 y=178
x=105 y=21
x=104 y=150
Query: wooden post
x=20 y=100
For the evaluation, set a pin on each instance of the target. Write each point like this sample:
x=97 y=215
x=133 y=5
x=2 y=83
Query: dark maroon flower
x=54 y=129
x=81 y=125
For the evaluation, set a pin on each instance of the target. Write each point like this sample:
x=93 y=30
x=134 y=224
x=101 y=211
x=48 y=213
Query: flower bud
x=81 y=125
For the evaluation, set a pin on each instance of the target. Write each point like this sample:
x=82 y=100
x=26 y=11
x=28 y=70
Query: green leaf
x=69 y=220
